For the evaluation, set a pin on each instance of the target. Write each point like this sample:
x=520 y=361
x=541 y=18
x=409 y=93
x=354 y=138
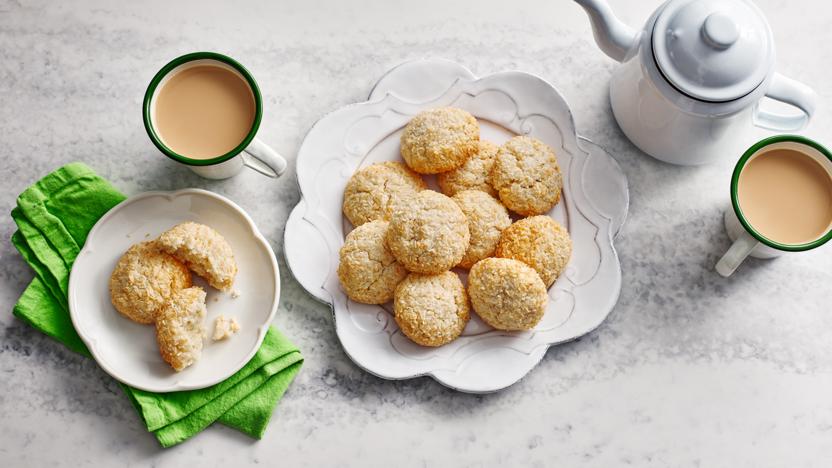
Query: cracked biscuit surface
x=541 y=243
x=431 y=310
x=144 y=279
x=429 y=234
x=372 y=192
x=474 y=174
x=203 y=250
x=507 y=294
x=526 y=176
x=367 y=270
x=438 y=140
x=179 y=328
x=487 y=218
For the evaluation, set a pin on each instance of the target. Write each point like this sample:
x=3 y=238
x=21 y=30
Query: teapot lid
x=713 y=50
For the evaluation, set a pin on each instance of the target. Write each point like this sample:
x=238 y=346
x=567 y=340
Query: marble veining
x=689 y=369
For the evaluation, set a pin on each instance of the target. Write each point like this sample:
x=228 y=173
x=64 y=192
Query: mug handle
x=736 y=254
x=794 y=93
x=263 y=159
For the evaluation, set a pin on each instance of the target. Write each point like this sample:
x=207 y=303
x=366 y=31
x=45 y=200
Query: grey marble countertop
x=689 y=370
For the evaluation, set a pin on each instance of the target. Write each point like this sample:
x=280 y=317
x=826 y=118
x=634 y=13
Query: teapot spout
x=612 y=36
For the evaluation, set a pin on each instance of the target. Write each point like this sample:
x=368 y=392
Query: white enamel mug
x=251 y=152
x=747 y=241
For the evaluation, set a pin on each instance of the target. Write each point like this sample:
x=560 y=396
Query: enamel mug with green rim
x=251 y=152
x=747 y=241
x=691 y=80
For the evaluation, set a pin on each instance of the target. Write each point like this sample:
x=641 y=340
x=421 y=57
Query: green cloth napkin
x=53 y=217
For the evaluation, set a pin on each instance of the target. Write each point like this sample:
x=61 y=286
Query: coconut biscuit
x=144 y=279
x=429 y=234
x=474 y=174
x=487 y=218
x=179 y=328
x=367 y=270
x=526 y=176
x=438 y=140
x=373 y=191
x=431 y=310
x=203 y=250
x=541 y=243
x=507 y=294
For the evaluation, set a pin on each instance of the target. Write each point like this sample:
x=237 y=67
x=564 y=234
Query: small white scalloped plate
x=594 y=206
x=127 y=350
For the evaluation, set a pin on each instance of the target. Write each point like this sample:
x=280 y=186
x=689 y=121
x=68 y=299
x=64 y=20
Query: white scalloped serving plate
x=594 y=206
x=127 y=350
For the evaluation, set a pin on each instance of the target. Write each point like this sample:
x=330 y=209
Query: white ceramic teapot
x=690 y=83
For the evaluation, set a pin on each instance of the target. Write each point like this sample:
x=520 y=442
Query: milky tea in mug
x=203 y=110
x=782 y=199
x=786 y=196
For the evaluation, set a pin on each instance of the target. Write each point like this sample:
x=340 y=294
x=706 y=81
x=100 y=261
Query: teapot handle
x=791 y=92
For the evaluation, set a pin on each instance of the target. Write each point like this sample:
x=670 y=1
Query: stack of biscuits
x=152 y=284
x=407 y=238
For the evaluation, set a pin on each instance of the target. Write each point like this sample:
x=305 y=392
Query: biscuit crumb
x=224 y=327
x=235 y=294
x=146 y=235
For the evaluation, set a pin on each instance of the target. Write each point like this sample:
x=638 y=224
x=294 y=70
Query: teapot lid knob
x=720 y=31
